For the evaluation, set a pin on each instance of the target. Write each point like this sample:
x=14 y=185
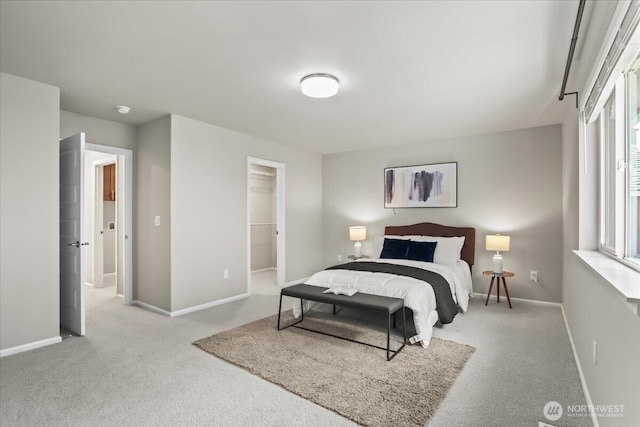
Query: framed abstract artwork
x=423 y=186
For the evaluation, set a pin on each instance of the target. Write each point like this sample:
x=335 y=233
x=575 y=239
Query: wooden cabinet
x=109 y=183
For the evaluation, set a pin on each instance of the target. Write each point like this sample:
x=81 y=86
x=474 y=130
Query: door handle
x=77 y=244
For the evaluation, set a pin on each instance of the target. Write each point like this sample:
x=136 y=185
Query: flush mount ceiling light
x=319 y=85
x=123 y=109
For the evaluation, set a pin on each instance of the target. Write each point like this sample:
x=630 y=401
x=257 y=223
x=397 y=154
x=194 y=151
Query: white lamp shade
x=319 y=85
x=358 y=233
x=498 y=243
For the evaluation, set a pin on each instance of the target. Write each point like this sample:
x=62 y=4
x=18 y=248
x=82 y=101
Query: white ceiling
x=410 y=72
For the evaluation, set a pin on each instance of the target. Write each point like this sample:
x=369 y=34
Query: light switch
x=157 y=221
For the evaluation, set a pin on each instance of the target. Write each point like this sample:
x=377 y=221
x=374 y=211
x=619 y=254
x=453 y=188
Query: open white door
x=71 y=239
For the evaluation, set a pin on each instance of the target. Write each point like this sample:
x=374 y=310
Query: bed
x=426 y=264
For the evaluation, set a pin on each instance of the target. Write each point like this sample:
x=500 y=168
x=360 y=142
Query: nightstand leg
x=506 y=291
x=490 y=287
x=498 y=289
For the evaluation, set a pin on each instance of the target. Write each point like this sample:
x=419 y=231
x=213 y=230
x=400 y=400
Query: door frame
x=280 y=219
x=124 y=176
x=97 y=252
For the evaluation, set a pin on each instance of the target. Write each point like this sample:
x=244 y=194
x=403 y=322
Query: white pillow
x=447 y=250
x=378 y=243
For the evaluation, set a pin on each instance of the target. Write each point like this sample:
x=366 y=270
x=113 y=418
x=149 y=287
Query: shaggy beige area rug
x=354 y=380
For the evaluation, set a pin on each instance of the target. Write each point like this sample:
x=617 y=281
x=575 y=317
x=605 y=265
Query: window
x=608 y=156
x=633 y=163
x=619 y=123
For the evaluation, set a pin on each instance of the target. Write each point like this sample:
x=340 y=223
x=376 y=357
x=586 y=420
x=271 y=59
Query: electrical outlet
x=595 y=353
x=534 y=276
x=225 y=274
x=339 y=258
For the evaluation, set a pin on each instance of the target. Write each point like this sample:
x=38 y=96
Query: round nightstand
x=357 y=257
x=499 y=276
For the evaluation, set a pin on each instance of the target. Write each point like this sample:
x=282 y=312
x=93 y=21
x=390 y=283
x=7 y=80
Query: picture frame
x=421 y=186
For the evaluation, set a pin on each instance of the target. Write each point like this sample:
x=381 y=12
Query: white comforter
x=417 y=294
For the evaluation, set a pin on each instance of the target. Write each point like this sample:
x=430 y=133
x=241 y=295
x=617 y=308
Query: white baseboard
x=189 y=309
x=583 y=381
x=110 y=274
x=30 y=346
x=152 y=308
x=263 y=269
x=522 y=300
x=208 y=305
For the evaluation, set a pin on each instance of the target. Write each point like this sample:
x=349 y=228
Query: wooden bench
x=387 y=305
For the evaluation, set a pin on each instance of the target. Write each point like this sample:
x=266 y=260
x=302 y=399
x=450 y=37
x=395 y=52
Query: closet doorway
x=265 y=219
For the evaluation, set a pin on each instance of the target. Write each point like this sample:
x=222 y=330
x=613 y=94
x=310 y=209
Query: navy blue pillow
x=394 y=248
x=421 y=251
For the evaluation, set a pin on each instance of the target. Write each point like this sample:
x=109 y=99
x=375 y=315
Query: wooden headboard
x=431 y=229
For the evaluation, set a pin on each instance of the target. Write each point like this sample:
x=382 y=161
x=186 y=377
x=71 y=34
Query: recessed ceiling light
x=123 y=109
x=319 y=85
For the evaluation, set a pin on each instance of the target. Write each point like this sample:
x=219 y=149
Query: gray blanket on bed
x=445 y=305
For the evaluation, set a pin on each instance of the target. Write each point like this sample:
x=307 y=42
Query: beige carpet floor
x=354 y=380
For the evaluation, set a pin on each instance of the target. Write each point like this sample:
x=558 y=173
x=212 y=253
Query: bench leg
x=388 y=335
x=404 y=327
x=280 y=312
x=404 y=333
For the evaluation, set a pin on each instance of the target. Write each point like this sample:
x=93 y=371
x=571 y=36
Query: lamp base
x=357 y=250
x=497 y=264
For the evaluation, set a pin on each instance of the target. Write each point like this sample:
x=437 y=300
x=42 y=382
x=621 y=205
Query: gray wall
x=152 y=254
x=595 y=311
x=508 y=183
x=29 y=212
x=209 y=216
x=98 y=131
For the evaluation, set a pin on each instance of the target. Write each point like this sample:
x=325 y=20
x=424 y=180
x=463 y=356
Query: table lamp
x=357 y=233
x=497 y=243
